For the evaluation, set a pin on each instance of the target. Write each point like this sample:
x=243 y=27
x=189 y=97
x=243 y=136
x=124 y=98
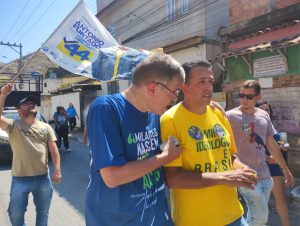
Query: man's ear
x=19 y=111
x=184 y=87
x=150 y=88
x=258 y=97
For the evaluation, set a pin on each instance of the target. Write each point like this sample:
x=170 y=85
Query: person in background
x=281 y=202
x=61 y=127
x=126 y=180
x=204 y=178
x=30 y=140
x=253 y=133
x=72 y=116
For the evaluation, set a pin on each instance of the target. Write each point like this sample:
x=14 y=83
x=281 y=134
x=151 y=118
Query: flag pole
x=24 y=66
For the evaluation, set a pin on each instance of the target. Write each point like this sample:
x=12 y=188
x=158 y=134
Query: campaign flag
x=83 y=46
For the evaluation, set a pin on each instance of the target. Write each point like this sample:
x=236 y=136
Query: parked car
x=5 y=148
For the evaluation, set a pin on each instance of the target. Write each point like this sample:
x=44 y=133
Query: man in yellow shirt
x=204 y=178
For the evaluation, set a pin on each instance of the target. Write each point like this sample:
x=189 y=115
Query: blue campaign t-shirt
x=119 y=133
x=71 y=112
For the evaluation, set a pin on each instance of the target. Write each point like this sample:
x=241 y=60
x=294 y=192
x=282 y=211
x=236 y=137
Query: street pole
x=11 y=45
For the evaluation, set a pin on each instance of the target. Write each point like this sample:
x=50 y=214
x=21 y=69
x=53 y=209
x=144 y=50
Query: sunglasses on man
x=248 y=96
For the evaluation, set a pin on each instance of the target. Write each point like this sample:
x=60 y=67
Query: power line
x=181 y=21
x=37 y=20
x=163 y=24
x=26 y=21
x=19 y=16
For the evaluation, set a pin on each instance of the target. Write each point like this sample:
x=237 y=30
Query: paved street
x=67 y=208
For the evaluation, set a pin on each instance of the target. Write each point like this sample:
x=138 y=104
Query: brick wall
x=241 y=10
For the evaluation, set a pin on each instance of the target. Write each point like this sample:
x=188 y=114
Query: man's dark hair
x=262 y=102
x=157 y=68
x=252 y=84
x=188 y=66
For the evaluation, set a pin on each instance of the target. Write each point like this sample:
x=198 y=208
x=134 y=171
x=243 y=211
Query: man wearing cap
x=30 y=140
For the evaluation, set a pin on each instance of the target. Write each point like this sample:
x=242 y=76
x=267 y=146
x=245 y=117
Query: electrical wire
x=163 y=24
x=175 y=27
x=163 y=21
x=37 y=20
x=17 y=19
x=26 y=21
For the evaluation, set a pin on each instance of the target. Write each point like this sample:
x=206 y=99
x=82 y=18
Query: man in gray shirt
x=253 y=132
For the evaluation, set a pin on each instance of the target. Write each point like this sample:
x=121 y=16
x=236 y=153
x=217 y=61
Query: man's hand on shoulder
x=214 y=105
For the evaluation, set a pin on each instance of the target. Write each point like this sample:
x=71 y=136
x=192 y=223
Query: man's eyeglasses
x=248 y=96
x=176 y=92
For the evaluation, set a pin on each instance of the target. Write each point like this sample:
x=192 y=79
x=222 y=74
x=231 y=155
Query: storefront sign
x=268 y=66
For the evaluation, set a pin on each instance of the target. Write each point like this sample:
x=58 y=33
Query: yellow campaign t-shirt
x=207 y=143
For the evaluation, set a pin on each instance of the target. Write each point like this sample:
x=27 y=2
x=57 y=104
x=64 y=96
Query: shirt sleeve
x=271 y=129
x=104 y=133
x=227 y=125
x=51 y=134
x=10 y=125
x=168 y=128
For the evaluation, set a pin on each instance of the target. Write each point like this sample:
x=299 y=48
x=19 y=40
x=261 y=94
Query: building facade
x=262 y=42
x=185 y=29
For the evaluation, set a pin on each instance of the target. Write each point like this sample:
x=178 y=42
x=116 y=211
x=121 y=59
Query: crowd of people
x=208 y=156
x=218 y=154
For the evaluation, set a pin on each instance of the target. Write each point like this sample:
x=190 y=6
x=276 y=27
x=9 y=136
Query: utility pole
x=11 y=45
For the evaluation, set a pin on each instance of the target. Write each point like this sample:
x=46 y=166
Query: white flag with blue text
x=82 y=45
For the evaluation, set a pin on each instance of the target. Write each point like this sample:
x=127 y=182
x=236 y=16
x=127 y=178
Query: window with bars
x=184 y=6
x=170 y=9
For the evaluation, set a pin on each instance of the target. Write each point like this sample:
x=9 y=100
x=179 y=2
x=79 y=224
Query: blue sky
x=30 y=22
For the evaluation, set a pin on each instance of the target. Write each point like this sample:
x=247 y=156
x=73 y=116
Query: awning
x=275 y=44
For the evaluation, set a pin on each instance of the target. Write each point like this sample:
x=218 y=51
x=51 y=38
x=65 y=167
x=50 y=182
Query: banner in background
x=83 y=46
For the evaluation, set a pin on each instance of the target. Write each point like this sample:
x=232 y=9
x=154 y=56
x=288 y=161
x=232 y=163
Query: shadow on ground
x=75 y=171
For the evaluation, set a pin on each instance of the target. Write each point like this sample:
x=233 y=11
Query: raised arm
x=5 y=91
